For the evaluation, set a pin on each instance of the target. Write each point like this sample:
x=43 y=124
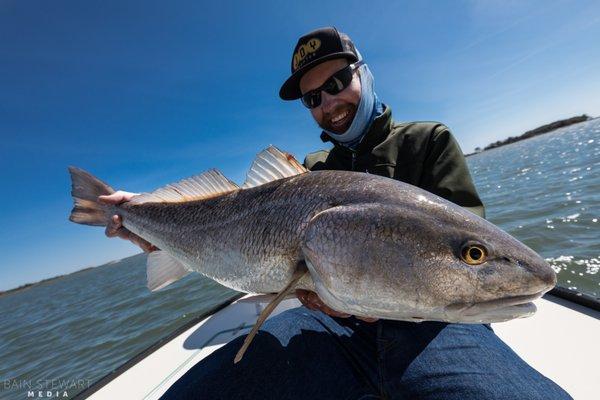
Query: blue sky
x=143 y=93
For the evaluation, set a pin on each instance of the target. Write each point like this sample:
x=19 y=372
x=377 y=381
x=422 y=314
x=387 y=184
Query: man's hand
x=312 y=301
x=116 y=229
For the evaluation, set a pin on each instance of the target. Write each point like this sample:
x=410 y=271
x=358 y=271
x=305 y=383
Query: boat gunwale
x=577 y=297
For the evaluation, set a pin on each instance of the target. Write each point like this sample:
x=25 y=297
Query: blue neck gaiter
x=369 y=107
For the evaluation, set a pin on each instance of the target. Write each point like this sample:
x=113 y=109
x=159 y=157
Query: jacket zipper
x=353 y=160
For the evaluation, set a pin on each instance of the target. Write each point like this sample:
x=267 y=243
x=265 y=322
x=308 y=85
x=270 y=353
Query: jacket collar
x=377 y=133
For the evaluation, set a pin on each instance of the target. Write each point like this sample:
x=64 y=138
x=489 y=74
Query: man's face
x=336 y=112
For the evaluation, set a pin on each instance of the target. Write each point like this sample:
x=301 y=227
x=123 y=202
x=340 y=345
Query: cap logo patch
x=305 y=50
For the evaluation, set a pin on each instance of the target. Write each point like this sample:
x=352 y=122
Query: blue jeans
x=303 y=354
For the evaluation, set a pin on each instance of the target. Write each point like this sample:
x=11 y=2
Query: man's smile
x=339 y=121
x=336 y=119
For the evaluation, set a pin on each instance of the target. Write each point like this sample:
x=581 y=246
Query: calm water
x=68 y=333
x=545 y=191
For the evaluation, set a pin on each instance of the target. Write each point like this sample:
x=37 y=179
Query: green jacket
x=424 y=154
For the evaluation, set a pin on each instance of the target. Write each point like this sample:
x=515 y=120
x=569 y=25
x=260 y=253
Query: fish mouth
x=497 y=310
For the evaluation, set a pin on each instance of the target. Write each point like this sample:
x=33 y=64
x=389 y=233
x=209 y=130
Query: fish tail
x=85 y=189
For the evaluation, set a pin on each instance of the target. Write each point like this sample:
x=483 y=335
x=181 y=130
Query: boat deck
x=560 y=341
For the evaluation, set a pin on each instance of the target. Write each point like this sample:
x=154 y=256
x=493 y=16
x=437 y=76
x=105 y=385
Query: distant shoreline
x=43 y=281
x=30 y=285
x=534 y=132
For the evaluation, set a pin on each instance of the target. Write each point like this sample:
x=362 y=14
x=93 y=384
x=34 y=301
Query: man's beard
x=341 y=126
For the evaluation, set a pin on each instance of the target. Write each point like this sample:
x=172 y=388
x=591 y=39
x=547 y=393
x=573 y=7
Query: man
x=318 y=353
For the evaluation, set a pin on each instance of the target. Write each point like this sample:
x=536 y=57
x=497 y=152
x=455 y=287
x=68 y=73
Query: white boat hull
x=560 y=341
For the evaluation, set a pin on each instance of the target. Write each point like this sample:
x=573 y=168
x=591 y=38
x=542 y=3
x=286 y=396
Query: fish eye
x=473 y=254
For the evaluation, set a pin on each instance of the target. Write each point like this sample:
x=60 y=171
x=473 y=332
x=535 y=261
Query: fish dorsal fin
x=270 y=165
x=206 y=185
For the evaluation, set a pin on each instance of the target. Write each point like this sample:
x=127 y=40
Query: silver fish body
x=374 y=247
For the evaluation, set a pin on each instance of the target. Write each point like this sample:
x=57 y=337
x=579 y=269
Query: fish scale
x=247 y=240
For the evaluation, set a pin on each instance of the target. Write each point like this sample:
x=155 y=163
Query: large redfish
x=368 y=245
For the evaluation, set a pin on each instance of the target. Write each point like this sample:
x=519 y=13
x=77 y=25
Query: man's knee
x=472 y=361
x=294 y=322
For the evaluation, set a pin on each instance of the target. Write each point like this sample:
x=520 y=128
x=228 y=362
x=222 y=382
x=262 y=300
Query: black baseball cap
x=312 y=49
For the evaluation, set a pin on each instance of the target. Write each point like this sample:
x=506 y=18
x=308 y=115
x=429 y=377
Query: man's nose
x=327 y=102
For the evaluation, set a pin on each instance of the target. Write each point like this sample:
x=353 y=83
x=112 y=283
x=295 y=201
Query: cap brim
x=290 y=90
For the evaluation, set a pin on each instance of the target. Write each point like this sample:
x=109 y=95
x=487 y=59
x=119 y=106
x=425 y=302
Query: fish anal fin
x=301 y=269
x=211 y=183
x=162 y=270
x=270 y=165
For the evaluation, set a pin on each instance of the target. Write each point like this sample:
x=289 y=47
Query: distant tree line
x=537 y=131
x=30 y=285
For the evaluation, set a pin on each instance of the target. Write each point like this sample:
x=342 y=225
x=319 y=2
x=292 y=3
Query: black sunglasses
x=333 y=85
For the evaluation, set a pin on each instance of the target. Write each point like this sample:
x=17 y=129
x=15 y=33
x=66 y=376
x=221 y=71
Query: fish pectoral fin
x=270 y=165
x=211 y=183
x=265 y=298
x=299 y=273
x=162 y=270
